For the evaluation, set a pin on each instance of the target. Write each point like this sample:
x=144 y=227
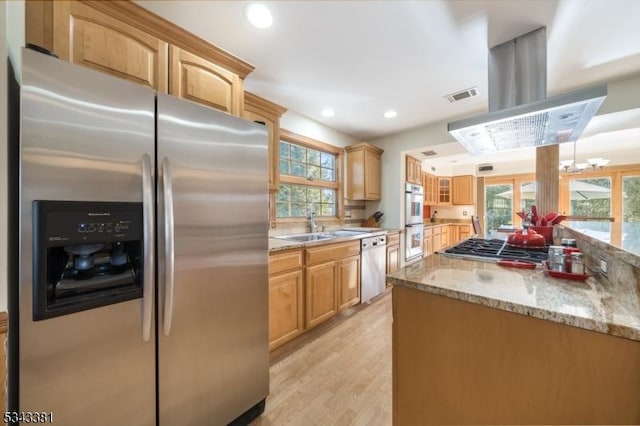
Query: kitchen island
x=476 y=343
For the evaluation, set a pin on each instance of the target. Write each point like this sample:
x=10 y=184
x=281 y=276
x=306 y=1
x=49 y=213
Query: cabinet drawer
x=289 y=260
x=329 y=252
x=393 y=239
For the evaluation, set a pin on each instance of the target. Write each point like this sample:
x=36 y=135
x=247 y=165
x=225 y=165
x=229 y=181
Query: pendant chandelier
x=571 y=166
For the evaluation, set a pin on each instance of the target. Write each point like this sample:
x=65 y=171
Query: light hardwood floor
x=339 y=375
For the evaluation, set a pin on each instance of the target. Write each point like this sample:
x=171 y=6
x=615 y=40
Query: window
x=498 y=209
x=504 y=197
x=591 y=198
x=631 y=213
x=309 y=176
x=527 y=195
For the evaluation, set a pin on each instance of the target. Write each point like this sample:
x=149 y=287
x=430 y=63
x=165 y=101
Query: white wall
x=393 y=167
x=11 y=41
x=304 y=126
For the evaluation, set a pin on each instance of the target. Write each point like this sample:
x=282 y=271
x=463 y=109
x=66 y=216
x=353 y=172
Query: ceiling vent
x=463 y=94
x=520 y=115
x=429 y=153
x=485 y=168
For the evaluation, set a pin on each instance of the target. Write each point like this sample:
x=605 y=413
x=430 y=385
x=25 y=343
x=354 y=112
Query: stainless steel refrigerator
x=143 y=254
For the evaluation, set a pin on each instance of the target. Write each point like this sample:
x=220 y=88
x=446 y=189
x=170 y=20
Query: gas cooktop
x=495 y=249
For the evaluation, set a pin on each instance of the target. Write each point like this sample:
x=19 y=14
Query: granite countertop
x=428 y=224
x=584 y=304
x=279 y=244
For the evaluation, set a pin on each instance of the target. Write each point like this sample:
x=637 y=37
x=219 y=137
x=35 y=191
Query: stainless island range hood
x=520 y=115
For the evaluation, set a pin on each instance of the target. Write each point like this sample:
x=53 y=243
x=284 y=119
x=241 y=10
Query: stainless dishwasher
x=374 y=258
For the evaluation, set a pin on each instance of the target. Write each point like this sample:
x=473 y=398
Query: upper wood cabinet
x=430 y=184
x=85 y=36
x=363 y=171
x=123 y=39
x=265 y=112
x=462 y=190
x=201 y=81
x=413 y=170
x=444 y=190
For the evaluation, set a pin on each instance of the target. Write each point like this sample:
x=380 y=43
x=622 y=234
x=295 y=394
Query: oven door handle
x=169 y=249
x=148 y=239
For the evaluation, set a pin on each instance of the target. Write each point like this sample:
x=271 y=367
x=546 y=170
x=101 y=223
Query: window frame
x=615 y=173
x=337 y=185
x=516 y=180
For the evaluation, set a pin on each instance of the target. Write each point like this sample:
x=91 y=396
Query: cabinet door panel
x=372 y=176
x=321 y=289
x=349 y=282
x=93 y=39
x=201 y=81
x=285 y=308
x=462 y=190
x=393 y=258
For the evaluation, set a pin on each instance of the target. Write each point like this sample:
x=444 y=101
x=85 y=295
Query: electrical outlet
x=604 y=266
x=347 y=213
x=464 y=212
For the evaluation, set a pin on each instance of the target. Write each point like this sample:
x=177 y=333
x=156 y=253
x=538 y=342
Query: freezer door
x=213 y=357
x=83 y=137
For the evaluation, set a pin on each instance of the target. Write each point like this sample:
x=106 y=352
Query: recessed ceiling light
x=259 y=15
x=390 y=114
x=328 y=112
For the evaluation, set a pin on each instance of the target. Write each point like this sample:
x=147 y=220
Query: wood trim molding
x=141 y=18
x=3 y=322
x=263 y=104
x=297 y=180
x=366 y=146
x=289 y=136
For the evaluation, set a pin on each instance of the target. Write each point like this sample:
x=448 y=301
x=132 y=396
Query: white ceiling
x=362 y=58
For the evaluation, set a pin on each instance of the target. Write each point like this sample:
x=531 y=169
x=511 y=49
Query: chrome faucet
x=312 y=223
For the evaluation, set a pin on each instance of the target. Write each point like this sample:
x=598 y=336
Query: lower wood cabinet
x=321 y=289
x=286 y=297
x=454 y=234
x=393 y=252
x=286 y=316
x=348 y=282
x=302 y=297
x=464 y=232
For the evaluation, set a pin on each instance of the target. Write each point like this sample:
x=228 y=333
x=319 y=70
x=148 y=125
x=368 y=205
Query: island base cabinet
x=457 y=362
x=321 y=293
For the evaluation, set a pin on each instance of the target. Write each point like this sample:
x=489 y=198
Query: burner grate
x=496 y=249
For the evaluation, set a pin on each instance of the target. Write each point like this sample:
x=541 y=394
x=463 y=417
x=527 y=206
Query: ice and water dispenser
x=86 y=255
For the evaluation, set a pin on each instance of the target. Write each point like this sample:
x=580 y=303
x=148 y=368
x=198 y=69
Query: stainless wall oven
x=413 y=242
x=414 y=203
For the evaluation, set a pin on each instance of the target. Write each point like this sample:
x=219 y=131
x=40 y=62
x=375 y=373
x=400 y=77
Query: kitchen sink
x=343 y=233
x=320 y=236
x=306 y=237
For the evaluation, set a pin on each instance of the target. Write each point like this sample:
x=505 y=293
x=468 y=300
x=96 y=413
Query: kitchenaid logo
x=99 y=214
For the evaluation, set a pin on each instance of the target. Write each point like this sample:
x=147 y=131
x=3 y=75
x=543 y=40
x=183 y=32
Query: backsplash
x=623 y=277
x=454 y=212
x=354 y=209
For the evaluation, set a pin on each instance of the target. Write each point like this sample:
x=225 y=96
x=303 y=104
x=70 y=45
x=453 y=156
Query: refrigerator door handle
x=168 y=246
x=149 y=227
